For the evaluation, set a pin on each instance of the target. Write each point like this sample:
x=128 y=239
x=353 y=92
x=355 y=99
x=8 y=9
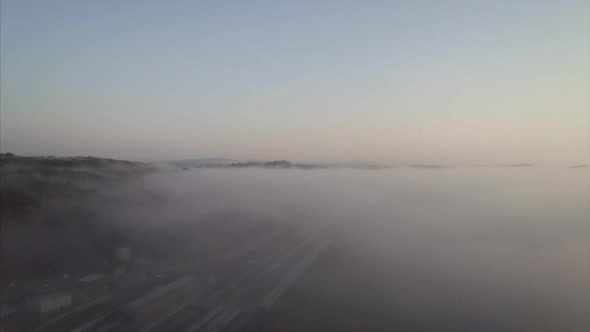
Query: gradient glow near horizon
x=437 y=82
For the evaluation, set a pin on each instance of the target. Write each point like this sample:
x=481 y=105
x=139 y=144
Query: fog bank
x=508 y=248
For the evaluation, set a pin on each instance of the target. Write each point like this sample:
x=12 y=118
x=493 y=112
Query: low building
x=92 y=281
x=161 y=300
x=50 y=302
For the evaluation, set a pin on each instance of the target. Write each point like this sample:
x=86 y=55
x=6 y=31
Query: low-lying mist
x=459 y=247
x=451 y=249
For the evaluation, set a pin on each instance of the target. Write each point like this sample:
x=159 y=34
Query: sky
x=432 y=82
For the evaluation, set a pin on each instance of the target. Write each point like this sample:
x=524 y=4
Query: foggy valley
x=410 y=248
x=294 y=166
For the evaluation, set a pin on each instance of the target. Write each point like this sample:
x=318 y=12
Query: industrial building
x=50 y=302
x=91 y=281
x=142 y=310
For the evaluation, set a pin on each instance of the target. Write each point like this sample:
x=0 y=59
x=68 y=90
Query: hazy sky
x=444 y=82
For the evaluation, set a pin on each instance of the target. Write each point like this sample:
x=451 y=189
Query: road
x=246 y=280
x=254 y=288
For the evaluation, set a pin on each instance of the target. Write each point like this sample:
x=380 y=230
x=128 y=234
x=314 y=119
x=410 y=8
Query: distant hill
x=284 y=164
x=272 y=164
x=28 y=181
x=580 y=166
x=200 y=162
x=51 y=205
x=234 y=163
